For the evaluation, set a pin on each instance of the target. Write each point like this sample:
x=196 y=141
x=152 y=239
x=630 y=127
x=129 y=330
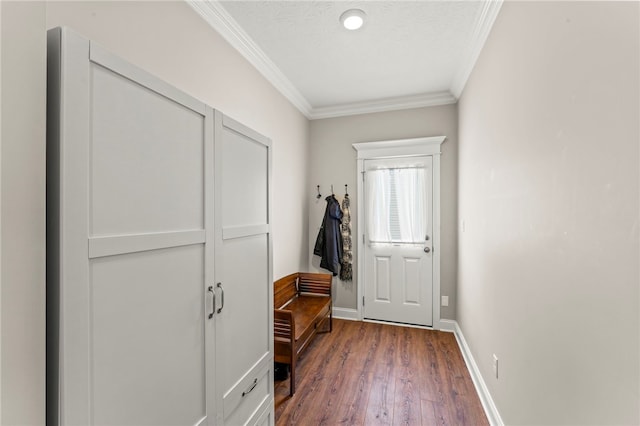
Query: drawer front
x=249 y=394
x=264 y=415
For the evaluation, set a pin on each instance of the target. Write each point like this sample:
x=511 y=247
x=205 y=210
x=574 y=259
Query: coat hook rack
x=319 y=194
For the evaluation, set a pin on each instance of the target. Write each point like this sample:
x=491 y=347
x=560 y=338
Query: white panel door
x=243 y=271
x=398 y=203
x=131 y=211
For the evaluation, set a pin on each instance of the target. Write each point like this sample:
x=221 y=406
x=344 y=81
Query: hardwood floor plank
x=379 y=409
x=376 y=374
x=356 y=395
x=432 y=387
x=441 y=414
x=428 y=413
x=406 y=407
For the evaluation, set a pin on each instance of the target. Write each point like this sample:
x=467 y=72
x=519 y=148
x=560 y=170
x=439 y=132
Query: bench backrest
x=285 y=289
x=315 y=283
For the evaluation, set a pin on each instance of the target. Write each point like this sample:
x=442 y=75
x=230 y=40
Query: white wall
x=549 y=189
x=0 y=213
x=22 y=200
x=171 y=41
x=333 y=161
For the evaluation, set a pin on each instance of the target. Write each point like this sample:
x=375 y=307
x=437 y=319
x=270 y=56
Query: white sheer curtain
x=378 y=205
x=396 y=200
x=411 y=196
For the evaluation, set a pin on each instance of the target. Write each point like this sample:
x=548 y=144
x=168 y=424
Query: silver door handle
x=213 y=301
x=427 y=249
x=219 y=285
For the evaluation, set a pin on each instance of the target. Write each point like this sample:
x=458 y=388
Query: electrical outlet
x=495 y=365
x=445 y=300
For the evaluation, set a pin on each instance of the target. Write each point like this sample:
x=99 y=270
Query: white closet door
x=134 y=212
x=243 y=269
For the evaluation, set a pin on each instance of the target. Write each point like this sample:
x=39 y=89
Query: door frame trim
x=401 y=148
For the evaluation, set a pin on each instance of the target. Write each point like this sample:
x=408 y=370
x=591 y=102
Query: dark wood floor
x=370 y=374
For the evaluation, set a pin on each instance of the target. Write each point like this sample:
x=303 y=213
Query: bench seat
x=308 y=313
x=302 y=308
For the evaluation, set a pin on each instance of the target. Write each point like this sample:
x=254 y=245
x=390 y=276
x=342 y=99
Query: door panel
x=398 y=212
x=245 y=184
x=246 y=306
x=147 y=334
x=411 y=280
x=147 y=155
x=382 y=278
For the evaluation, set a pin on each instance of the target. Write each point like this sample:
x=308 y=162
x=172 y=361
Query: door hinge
x=362 y=177
x=362 y=238
x=362 y=300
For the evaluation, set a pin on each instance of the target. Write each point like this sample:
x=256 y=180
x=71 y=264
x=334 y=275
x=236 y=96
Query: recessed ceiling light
x=352 y=19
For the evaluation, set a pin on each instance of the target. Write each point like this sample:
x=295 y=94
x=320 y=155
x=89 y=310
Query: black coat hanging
x=329 y=241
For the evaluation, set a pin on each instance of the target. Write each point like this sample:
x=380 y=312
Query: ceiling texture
x=408 y=54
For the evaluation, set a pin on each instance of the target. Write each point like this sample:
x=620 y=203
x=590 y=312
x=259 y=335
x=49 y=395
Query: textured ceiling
x=406 y=52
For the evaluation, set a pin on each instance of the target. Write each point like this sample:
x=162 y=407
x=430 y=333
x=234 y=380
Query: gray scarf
x=346 y=270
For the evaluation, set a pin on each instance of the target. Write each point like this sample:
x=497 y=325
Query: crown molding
x=220 y=20
x=382 y=105
x=482 y=28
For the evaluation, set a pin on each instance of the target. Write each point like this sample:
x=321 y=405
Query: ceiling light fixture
x=352 y=19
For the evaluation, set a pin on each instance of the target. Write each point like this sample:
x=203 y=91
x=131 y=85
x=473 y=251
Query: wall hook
x=346 y=191
x=332 y=193
x=319 y=194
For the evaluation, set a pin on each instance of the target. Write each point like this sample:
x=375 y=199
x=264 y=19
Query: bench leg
x=292 y=376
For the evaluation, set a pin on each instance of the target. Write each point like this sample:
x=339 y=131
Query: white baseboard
x=448 y=325
x=346 y=314
x=481 y=387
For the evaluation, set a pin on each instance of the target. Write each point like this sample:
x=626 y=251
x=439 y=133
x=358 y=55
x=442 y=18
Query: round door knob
x=427 y=249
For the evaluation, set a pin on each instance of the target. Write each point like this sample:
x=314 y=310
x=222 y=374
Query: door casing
x=401 y=148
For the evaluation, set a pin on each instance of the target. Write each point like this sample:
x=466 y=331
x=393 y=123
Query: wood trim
x=122 y=244
x=400 y=148
x=483 y=26
x=383 y=105
x=221 y=21
x=346 y=314
x=209 y=253
x=448 y=325
x=232 y=232
x=241 y=129
x=100 y=56
x=488 y=404
x=76 y=386
x=437 y=250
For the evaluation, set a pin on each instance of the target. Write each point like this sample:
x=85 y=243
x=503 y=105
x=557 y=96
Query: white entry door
x=398 y=251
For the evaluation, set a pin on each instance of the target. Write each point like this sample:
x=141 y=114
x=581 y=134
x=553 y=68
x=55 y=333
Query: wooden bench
x=302 y=308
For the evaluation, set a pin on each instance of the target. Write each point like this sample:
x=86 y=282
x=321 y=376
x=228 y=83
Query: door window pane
x=396 y=205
